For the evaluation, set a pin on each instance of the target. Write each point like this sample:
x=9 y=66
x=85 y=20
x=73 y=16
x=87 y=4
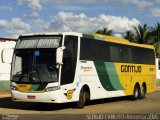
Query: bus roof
x=95 y=36
x=119 y=40
x=51 y=33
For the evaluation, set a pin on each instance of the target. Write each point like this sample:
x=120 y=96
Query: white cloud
x=147 y=5
x=3 y=23
x=157 y=1
x=143 y=4
x=20 y=2
x=67 y=21
x=34 y=4
x=155 y=12
x=85 y=1
x=15 y=26
x=104 y=1
x=118 y=24
x=31 y=15
x=71 y=7
x=39 y=25
x=8 y=8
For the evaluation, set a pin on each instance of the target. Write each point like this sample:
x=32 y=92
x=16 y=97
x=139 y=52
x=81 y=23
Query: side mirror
x=6 y=55
x=59 y=55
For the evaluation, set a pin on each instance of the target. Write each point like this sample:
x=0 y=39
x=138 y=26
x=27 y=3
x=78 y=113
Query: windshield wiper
x=34 y=70
x=20 y=79
x=18 y=73
x=38 y=77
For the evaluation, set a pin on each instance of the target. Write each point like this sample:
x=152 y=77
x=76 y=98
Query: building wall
x=5 y=68
x=158 y=70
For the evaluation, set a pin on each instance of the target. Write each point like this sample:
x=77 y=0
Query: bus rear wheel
x=83 y=99
x=143 y=91
x=136 y=93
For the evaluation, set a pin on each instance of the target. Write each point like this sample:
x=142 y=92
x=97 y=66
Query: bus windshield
x=34 y=65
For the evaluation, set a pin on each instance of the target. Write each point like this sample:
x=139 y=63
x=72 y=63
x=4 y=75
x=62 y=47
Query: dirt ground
x=95 y=110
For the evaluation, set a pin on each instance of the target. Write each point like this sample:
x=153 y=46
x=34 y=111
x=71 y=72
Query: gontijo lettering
x=131 y=68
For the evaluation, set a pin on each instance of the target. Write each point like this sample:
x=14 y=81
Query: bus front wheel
x=83 y=98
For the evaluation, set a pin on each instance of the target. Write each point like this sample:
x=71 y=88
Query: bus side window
x=69 y=59
x=66 y=68
x=115 y=53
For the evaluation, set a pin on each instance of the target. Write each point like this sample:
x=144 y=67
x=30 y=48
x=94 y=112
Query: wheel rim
x=84 y=98
x=142 y=91
x=136 y=93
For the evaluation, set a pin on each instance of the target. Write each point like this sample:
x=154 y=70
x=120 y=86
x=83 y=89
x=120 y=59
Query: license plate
x=31 y=97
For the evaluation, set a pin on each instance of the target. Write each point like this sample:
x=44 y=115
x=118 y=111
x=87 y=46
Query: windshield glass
x=39 y=42
x=34 y=65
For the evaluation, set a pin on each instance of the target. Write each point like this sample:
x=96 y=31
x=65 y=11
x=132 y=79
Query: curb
x=5 y=93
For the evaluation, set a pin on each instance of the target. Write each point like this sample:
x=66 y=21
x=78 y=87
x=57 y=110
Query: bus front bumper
x=45 y=97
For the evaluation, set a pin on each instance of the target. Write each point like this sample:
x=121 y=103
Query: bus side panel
x=130 y=74
x=102 y=82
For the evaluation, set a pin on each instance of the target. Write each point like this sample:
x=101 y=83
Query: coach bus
x=74 y=67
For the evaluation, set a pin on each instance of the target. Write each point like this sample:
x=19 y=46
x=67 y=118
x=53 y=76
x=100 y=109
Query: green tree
x=129 y=35
x=142 y=34
x=105 y=31
x=155 y=32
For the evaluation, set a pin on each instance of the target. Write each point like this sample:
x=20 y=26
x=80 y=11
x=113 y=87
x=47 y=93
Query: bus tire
x=136 y=92
x=142 y=91
x=83 y=98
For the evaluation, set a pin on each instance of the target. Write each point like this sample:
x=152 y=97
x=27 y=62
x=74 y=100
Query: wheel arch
x=136 y=85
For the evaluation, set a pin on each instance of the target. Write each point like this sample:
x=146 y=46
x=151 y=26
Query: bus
x=67 y=67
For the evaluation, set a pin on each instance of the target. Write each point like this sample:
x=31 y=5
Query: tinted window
x=101 y=50
x=126 y=54
x=115 y=53
x=143 y=56
x=87 y=50
x=120 y=53
x=94 y=50
x=69 y=59
x=97 y=50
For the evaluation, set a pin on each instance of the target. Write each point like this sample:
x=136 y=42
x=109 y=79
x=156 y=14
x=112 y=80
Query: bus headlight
x=54 y=88
x=14 y=88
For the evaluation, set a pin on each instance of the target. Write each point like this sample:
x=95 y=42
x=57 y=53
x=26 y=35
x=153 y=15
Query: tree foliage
x=105 y=31
x=141 y=34
x=144 y=34
x=129 y=36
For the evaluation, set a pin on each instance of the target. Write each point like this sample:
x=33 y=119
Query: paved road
x=95 y=110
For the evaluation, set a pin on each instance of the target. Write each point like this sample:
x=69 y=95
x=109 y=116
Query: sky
x=85 y=16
